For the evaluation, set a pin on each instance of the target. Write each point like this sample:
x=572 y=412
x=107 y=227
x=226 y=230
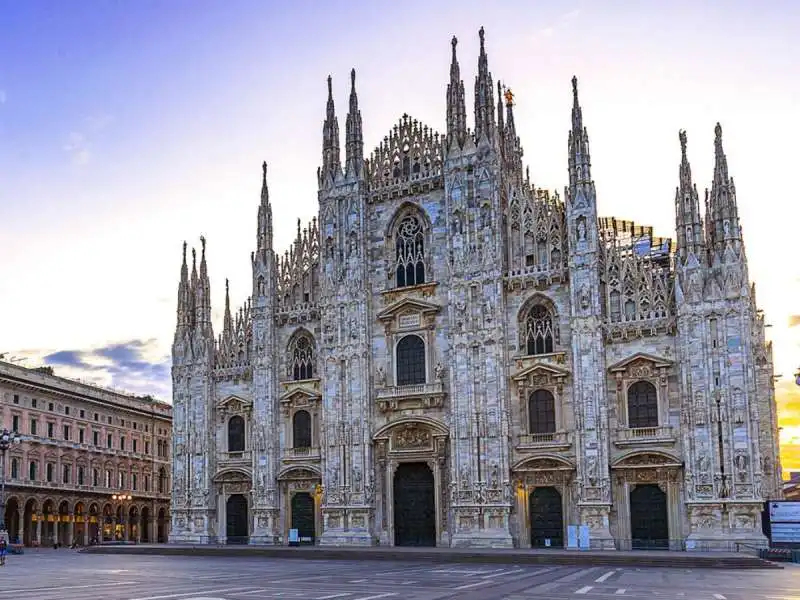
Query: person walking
x=3 y=551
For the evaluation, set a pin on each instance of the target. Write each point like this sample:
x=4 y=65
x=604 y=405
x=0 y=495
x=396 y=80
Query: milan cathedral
x=451 y=356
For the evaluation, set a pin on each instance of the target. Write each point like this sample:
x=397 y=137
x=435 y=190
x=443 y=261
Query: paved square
x=64 y=574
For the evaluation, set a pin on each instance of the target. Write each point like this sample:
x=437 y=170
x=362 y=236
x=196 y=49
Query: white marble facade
x=451 y=356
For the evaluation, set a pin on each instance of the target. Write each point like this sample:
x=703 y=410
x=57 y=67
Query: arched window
x=410 y=360
x=236 y=434
x=642 y=405
x=162 y=480
x=538 y=333
x=301 y=429
x=95 y=477
x=301 y=357
x=541 y=412
x=409 y=252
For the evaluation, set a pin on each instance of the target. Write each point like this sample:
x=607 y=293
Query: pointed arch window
x=409 y=252
x=615 y=306
x=301 y=357
x=541 y=412
x=410 y=360
x=301 y=429
x=539 y=333
x=236 y=434
x=642 y=405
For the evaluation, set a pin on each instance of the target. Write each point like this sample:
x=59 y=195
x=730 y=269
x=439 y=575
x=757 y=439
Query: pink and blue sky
x=127 y=127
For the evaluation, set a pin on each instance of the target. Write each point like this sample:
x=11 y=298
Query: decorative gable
x=408 y=313
x=234 y=404
x=641 y=363
x=541 y=370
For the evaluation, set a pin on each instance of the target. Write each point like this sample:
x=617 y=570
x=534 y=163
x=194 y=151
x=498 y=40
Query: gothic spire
x=579 y=158
x=354 y=133
x=456 y=105
x=331 y=163
x=202 y=291
x=726 y=230
x=227 y=323
x=184 y=299
x=484 y=100
x=510 y=144
x=264 y=235
x=688 y=223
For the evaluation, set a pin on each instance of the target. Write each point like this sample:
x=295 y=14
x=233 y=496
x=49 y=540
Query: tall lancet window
x=539 y=334
x=409 y=252
x=301 y=358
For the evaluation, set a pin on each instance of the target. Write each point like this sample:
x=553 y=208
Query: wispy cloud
x=136 y=366
x=551 y=29
x=80 y=143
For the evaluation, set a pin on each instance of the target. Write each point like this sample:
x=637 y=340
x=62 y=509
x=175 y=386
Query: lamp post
x=6 y=439
x=120 y=498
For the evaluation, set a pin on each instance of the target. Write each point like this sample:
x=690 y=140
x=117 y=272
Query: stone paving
x=65 y=574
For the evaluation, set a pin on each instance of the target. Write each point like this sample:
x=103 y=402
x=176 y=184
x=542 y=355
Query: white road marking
x=333 y=596
x=357 y=581
x=620 y=591
x=384 y=595
x=69 y=587
x=508 y=572
x=584 y=590
x=460 y=571
x=189 y=594
x=719 y=597
x=602 y=578
x=472 y=585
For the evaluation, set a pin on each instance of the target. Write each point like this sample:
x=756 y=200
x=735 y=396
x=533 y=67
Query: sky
x=128 y=127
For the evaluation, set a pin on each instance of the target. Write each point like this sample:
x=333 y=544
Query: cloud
x=550 y=30
x=794 y=320
x=135 y=366
x=80 y=143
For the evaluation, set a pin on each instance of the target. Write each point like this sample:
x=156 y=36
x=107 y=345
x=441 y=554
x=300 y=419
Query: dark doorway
x=649 y=528
x=236 y=521
x=303 y=517
x=414 y=506
x=547 y=518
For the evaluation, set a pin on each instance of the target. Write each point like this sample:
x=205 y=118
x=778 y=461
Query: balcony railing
x=557 y=439
x=301 y=453
x=421 y=395
x=632 y=436
x=243 y=456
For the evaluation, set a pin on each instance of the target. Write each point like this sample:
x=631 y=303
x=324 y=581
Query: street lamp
x=121 y=498
x=6 y=439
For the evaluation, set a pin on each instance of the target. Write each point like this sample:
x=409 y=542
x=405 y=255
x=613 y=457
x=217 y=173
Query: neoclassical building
x=451 y=356
x=83 y=447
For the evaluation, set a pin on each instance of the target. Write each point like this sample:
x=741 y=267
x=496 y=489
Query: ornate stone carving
x=411 y=437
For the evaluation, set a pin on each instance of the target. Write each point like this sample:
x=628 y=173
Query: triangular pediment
x=408 y=306
x=541 y=369
x=300 y=391
x=656 y=361
x=234 y=402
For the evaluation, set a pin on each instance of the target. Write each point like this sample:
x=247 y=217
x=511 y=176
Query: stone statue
x=438 y=371
x=381 y=377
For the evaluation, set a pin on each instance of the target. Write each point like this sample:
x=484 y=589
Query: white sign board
x=784 y=512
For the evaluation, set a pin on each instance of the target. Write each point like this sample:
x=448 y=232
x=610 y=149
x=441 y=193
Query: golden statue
x=509 y=95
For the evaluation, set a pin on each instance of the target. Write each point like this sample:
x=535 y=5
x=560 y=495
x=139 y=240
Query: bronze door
x=303 y=517
x=236 y=517
x=649 y=526
x=414 y=506
x=547 y=518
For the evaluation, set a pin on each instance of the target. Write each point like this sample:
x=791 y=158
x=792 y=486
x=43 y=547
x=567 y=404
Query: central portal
x=236 y=520
x=547 y=520
x=414 y=505
x=303 y=517
x=649 y=525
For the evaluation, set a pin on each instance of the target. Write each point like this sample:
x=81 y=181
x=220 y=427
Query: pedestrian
x=3 y=550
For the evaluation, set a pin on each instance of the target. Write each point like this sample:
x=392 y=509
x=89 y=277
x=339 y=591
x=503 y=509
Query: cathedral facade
x=451 y=356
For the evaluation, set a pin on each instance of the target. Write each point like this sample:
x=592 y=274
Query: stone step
x=680 y=560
